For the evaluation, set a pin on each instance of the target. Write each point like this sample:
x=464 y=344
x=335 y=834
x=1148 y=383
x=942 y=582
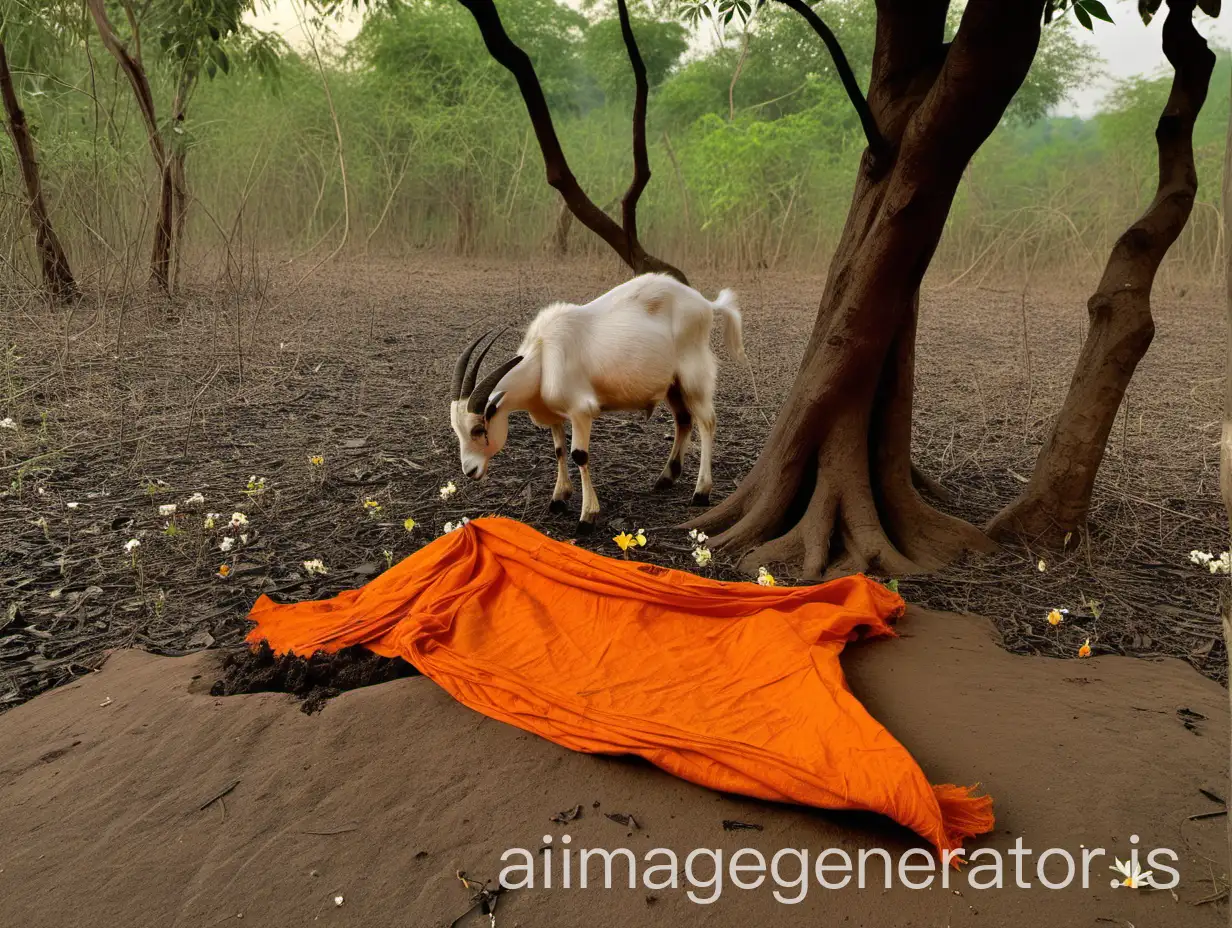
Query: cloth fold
x=733 y=686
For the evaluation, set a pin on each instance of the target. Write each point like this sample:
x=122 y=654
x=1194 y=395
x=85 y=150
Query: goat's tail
x=733 y=326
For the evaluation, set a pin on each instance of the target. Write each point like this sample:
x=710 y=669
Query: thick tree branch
x=1058 y=496
x=641 y=159
x=877 y=144
x=507 y=53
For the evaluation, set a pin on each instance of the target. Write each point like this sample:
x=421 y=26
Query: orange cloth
x=731 y=685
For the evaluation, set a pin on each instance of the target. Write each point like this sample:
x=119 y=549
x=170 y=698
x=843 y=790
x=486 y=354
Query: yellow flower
x=371 y=504
x=224 y=571
x=640 y=538
x=1055 y=617
x=1041 y=565
x=409 y=525
x=625 y=541
x=765 y=578
x=316 y=460
x=1085 y=650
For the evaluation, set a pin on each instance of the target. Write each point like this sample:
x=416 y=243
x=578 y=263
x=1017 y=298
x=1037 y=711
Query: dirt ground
x=123 y=406
x=132 y=797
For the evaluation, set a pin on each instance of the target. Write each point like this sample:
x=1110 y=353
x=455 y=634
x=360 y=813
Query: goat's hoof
x=663 y=483
x=700 y=499
x=558 y=506
x=584 y=529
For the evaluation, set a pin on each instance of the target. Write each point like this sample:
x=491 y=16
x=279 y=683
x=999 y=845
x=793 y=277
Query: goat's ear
x=493 y=405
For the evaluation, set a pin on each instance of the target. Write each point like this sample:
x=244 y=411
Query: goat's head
x=472 y=413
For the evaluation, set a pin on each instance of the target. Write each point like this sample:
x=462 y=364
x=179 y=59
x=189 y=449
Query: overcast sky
x=1127 y=48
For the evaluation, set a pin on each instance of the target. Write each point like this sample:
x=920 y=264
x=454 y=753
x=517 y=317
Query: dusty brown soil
x=132 y=797
x=124 y=404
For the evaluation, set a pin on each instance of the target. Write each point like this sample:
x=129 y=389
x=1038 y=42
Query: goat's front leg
x=581 y=457
x=564 y=486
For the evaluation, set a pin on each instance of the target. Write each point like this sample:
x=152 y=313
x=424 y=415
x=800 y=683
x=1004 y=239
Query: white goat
x=644 y=342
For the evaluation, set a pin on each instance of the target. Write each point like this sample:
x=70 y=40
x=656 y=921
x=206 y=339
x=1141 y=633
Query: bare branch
x=876 y=142
x=505 y=51
x=641 y=160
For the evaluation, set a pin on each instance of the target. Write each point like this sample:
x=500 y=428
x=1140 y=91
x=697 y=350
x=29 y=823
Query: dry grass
x=252 y=376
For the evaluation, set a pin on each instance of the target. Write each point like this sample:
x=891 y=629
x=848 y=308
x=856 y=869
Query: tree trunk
x=1225 y=437
x=832 y=491
x=57 y=276
x=1056 y=500
x=160 y=258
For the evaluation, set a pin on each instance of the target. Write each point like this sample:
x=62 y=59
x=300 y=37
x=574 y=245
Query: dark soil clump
x=313 y=680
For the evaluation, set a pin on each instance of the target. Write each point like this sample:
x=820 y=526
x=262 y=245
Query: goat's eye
x=478 y=431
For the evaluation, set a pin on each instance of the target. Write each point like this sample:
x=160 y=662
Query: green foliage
x=439 y=153
x=606 y=60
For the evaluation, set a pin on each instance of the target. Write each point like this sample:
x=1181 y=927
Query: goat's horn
x=459 y=370
x=479 y=396
x=468 y=385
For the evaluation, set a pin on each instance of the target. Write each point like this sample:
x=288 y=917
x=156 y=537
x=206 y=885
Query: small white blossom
x=316 y=566
x=1134 y=876
x=195 y=500
x=132 y=545
x=243 y=539
x=338 y=900
x=8 y=423
x=703 y=556
x=226 y=544
x=167 y=510
x=765 y=578
x=211 y=519
x=1201 y=558
x=454 y=526
x=448 y=490
x=72 y=505
x=238 y=519
x=698 y=537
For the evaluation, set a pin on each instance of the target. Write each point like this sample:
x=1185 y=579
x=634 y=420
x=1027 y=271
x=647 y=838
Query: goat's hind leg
x=703 y=413
x=684 y=427
x=564 y=486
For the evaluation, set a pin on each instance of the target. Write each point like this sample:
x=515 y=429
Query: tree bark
x=832 y=491
x=1225 y=437
x=1056 y=499
x=505 y=51
x=57 y=275
x=160 y=256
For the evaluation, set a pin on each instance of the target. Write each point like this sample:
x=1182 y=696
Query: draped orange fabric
x=731 y=685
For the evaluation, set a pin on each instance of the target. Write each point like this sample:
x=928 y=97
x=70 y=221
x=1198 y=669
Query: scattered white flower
x=195 y=500
x=132 y=545
x=238 y=519
x=226 y=544
x=703 y=556
x=448 y=490
x=8 y=423
x=698 y=537
x=72 y=505
x=338 y=900
x=1041 y=565
x=167 y=510
x=243 y=539
x=316 y=566
x=211 y=519
x=42 y=490
x=765 y=578
x=454 y=526
x=1216 y=565
x=1134 y=876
